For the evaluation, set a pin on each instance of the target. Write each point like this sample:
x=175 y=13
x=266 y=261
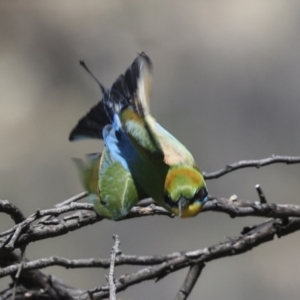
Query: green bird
x=140 y=158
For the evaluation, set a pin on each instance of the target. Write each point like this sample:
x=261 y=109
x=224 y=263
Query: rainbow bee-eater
x=140 y=158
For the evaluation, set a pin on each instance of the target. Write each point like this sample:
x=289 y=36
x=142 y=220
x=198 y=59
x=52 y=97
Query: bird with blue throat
x=140 y=158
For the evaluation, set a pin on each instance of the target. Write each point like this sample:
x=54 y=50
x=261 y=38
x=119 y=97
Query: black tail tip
x=144 y=56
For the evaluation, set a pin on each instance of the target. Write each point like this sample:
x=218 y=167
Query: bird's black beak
x=182 y=204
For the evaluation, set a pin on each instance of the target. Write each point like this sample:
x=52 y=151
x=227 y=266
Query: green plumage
x=110 y=186
x=140 y=158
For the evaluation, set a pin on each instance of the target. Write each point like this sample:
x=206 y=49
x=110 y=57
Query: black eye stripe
x=170 y=202
x=202 y=193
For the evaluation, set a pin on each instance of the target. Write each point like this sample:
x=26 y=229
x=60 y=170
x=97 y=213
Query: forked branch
x=46 y=223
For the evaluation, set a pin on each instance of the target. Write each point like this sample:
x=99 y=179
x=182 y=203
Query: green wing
x=117 y=190
x=153 y=141
x=148 y=137
x=110 y=186
x=88 y=173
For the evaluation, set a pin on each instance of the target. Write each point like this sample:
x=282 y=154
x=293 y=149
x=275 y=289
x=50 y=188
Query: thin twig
x=17 y=229
x=235 y=207
x=36 y=282
x=45 y=212
x=189 y=282
x=72 y=199
x=251 y=237
x=287 y=220
x=16 y=279
x=261 y=194
x=252 y=163
x=67 y=202
x=232 y=206
x=12 y=210
x=257 y=235
x=14 y=237
x=104 y=263
x=69 y=223
x=111 y=275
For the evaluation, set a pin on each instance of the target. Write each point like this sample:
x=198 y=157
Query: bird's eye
x=202 y=193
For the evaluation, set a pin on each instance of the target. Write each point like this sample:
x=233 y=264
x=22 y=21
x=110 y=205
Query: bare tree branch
x=67 y=202
x=72 y=199
x=17 y=277
x=261 y=194
x=25 y=232
x=104 y=263
x=12 y=210
x=69 y=205
x=55 y=227
x=245 y=208
x=33 y=284
x=253 y=163
x=111 y=275
x=46 y=212
x=189 y=282
x=250 y=238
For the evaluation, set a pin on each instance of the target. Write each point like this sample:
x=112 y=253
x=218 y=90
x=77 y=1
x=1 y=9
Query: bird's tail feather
x=131 y=89
x=91 y=125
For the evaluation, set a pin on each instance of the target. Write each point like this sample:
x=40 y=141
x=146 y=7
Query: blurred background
x=226 y=83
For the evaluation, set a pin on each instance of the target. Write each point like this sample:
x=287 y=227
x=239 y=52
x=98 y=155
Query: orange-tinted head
x=185 y=191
